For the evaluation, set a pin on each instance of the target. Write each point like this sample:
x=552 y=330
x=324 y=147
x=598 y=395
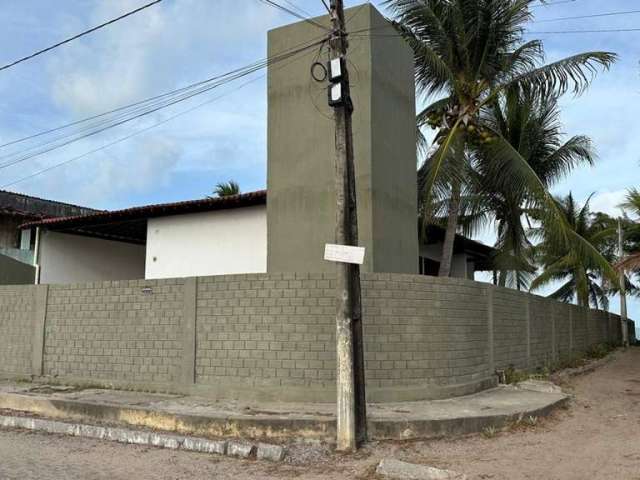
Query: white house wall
x=208 y=243
x=68 y=258
x=460 y=266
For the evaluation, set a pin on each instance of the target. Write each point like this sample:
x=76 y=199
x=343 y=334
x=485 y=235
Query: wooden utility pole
x=351 y=400
x=623 y=289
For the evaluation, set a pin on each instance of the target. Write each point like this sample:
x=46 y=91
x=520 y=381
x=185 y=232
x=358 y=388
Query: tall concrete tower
x=300 y=171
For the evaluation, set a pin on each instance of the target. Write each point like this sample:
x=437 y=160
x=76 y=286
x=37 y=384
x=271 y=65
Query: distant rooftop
x=18 y=204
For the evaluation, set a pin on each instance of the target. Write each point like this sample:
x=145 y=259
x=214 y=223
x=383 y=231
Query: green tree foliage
x=532 y=126
x=226 y=189
x=580 y=279
x=631 y=228
x=469 y=53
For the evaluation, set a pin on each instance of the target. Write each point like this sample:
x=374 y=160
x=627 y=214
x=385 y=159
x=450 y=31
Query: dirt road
x=597 y=437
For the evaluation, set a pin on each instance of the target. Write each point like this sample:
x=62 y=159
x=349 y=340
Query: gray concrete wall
x=13 y=272
x=301 y=154
x=272 y=336
x=17 y=317
x=120 y=331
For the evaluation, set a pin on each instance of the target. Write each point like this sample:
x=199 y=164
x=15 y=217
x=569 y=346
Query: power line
x=274 y=4
x=608 y=14
x=298 y=8
x=75 y=37
x=146 y=108
x=141 y=104
x=326 y=6
x=604 y=30
x=367 y=32
x=138 y=132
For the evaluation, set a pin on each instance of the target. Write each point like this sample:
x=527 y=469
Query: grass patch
x=489 y=432
x=594 y=352
x=599 y=350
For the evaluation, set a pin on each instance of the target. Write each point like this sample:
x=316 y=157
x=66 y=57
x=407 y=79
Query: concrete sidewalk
x=191 y=415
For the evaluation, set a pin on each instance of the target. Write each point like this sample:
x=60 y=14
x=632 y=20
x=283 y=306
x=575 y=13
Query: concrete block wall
x=424 y=337
x=124 y=331
x=272 y=336
x=510 y=326
x=17 y=313
x=272 y=331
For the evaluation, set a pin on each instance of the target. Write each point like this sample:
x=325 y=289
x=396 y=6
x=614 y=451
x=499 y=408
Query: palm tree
x=226 y=189
x=470 y=52
x=532 y=126
x=581 y=279
x=631 y=229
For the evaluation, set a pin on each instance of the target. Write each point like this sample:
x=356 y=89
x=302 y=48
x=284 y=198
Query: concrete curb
x=322 y=429
x=423 y=429
x=232 y=448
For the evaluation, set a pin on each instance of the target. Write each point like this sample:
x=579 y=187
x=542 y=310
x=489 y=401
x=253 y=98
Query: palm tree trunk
x=450 y=233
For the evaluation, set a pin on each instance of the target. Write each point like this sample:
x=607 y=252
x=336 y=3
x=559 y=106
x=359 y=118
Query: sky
x=182 y=41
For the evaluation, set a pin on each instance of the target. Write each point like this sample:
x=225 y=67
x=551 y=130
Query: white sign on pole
x=344 y=253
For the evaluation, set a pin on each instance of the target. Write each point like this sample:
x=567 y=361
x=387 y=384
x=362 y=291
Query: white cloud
x=608 y=202
x=156 y=50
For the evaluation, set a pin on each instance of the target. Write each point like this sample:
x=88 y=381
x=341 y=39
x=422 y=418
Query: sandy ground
x=597 y=437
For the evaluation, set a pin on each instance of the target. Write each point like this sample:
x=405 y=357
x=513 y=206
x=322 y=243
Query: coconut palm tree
x=631 y=229
x=225 y=189
x=469 y=53
x=581 y=279
x=532 y=126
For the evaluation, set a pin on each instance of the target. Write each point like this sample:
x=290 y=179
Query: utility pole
x=351 y=399
x=623 y=289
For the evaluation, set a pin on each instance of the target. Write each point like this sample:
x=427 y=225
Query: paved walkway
x=202 y=416
x=597 y=438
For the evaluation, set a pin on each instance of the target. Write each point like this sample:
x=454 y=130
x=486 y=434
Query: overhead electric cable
x=605 y=30
x=81 y=34
x=148 y=108
x=595 y=15
x=138 y=132
x=298 y=8
x=274 y=4
x=367 y=32
x=141 y=102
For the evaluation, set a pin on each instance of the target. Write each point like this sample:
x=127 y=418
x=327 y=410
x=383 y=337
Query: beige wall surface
x=68 y=258
x=272 y=336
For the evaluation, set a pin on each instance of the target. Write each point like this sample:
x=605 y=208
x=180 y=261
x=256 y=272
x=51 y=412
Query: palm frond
x=510 y=164
x=574 y=152
x=573 y=73
x=630 y=262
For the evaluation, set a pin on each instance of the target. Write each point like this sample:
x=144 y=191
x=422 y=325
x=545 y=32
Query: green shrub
x=599 y=350
x=514 y=375
x=489 y=432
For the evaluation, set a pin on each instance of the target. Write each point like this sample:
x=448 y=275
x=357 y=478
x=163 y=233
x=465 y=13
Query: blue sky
x=181 y=41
